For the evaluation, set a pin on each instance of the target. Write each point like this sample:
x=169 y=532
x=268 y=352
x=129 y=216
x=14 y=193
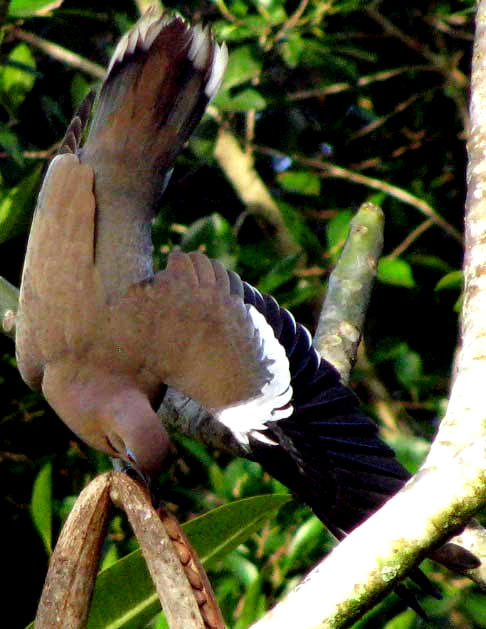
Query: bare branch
x=61 y=54
x=73 y=567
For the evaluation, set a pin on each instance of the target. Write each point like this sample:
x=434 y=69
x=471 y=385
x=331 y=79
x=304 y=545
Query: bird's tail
x=160 y=79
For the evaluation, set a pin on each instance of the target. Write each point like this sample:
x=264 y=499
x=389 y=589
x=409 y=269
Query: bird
x=103 y=335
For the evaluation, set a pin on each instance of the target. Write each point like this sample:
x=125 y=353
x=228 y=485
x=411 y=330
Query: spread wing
x=60 y=295
x=191 y=329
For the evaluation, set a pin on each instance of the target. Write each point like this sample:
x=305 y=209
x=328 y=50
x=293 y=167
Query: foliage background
x=377 y=89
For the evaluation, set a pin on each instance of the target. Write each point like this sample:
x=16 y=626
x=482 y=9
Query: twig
x=292 y=21
x=239 y=168
x=394 y=191
x=412 y=236
x=337 y=88
x=378 y=122
x=331 y=170
x=451 y=73
x=61 y=54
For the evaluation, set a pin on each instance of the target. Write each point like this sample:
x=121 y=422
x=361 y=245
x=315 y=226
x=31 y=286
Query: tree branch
x=239 y=168
x=348 y=292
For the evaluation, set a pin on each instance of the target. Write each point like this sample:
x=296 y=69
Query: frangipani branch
x=179 y=578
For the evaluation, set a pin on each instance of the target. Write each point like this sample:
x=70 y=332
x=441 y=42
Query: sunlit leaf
x=242 y=101
x=41 y=505
x=300 y=181
x=17 y=205
x=31 y=8
x=17 y=78
x=292 y=49
x=243 y=65
x=395 y=271
x=452 y=280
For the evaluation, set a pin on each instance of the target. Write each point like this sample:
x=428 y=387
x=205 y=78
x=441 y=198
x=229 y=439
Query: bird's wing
x=191 y=327
x=60 y=297
x=160 y=79
x=330 y=452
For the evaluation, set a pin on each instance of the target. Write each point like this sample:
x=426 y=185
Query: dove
x=103 y=336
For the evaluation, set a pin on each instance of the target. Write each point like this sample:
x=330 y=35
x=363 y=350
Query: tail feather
x=160 y=79
x=162 y=75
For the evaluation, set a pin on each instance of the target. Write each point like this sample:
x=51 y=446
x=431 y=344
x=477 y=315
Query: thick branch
x=348 y=292
x=381 y=551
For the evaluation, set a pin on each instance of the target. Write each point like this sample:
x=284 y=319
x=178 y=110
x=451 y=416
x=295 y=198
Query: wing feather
x=200 y=338
x=60 y=297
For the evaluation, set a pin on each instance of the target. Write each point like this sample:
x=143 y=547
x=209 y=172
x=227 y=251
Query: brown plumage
x=92 y=317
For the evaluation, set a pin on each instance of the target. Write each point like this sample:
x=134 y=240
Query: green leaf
x=124 y=595
x=405 y=620
x=450 y=280
x=338 y=230
x=410 y=450
x=215 y=235
x=300 y=181
x=243 y=101
x=429 y=262
x=292 y=49
x=305 y=538
x=17 y=79
x=16 y=206
x=31 y=8
x=300 y=230
x=408 y=367
x=10 y=142
x=280 y=273
x=41 y=505
x=223 y=529
x=254 y=604
x=242 y=67
x=395 y=271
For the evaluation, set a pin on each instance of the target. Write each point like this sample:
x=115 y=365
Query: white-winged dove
x=103 y=337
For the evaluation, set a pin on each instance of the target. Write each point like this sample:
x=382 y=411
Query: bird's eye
x=116 y=444
x=110 y=444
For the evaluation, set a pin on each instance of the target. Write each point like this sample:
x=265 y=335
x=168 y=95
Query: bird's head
x=111 y=415
x=132 y=431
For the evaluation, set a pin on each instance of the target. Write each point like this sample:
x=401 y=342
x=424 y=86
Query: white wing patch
x=249 y=417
